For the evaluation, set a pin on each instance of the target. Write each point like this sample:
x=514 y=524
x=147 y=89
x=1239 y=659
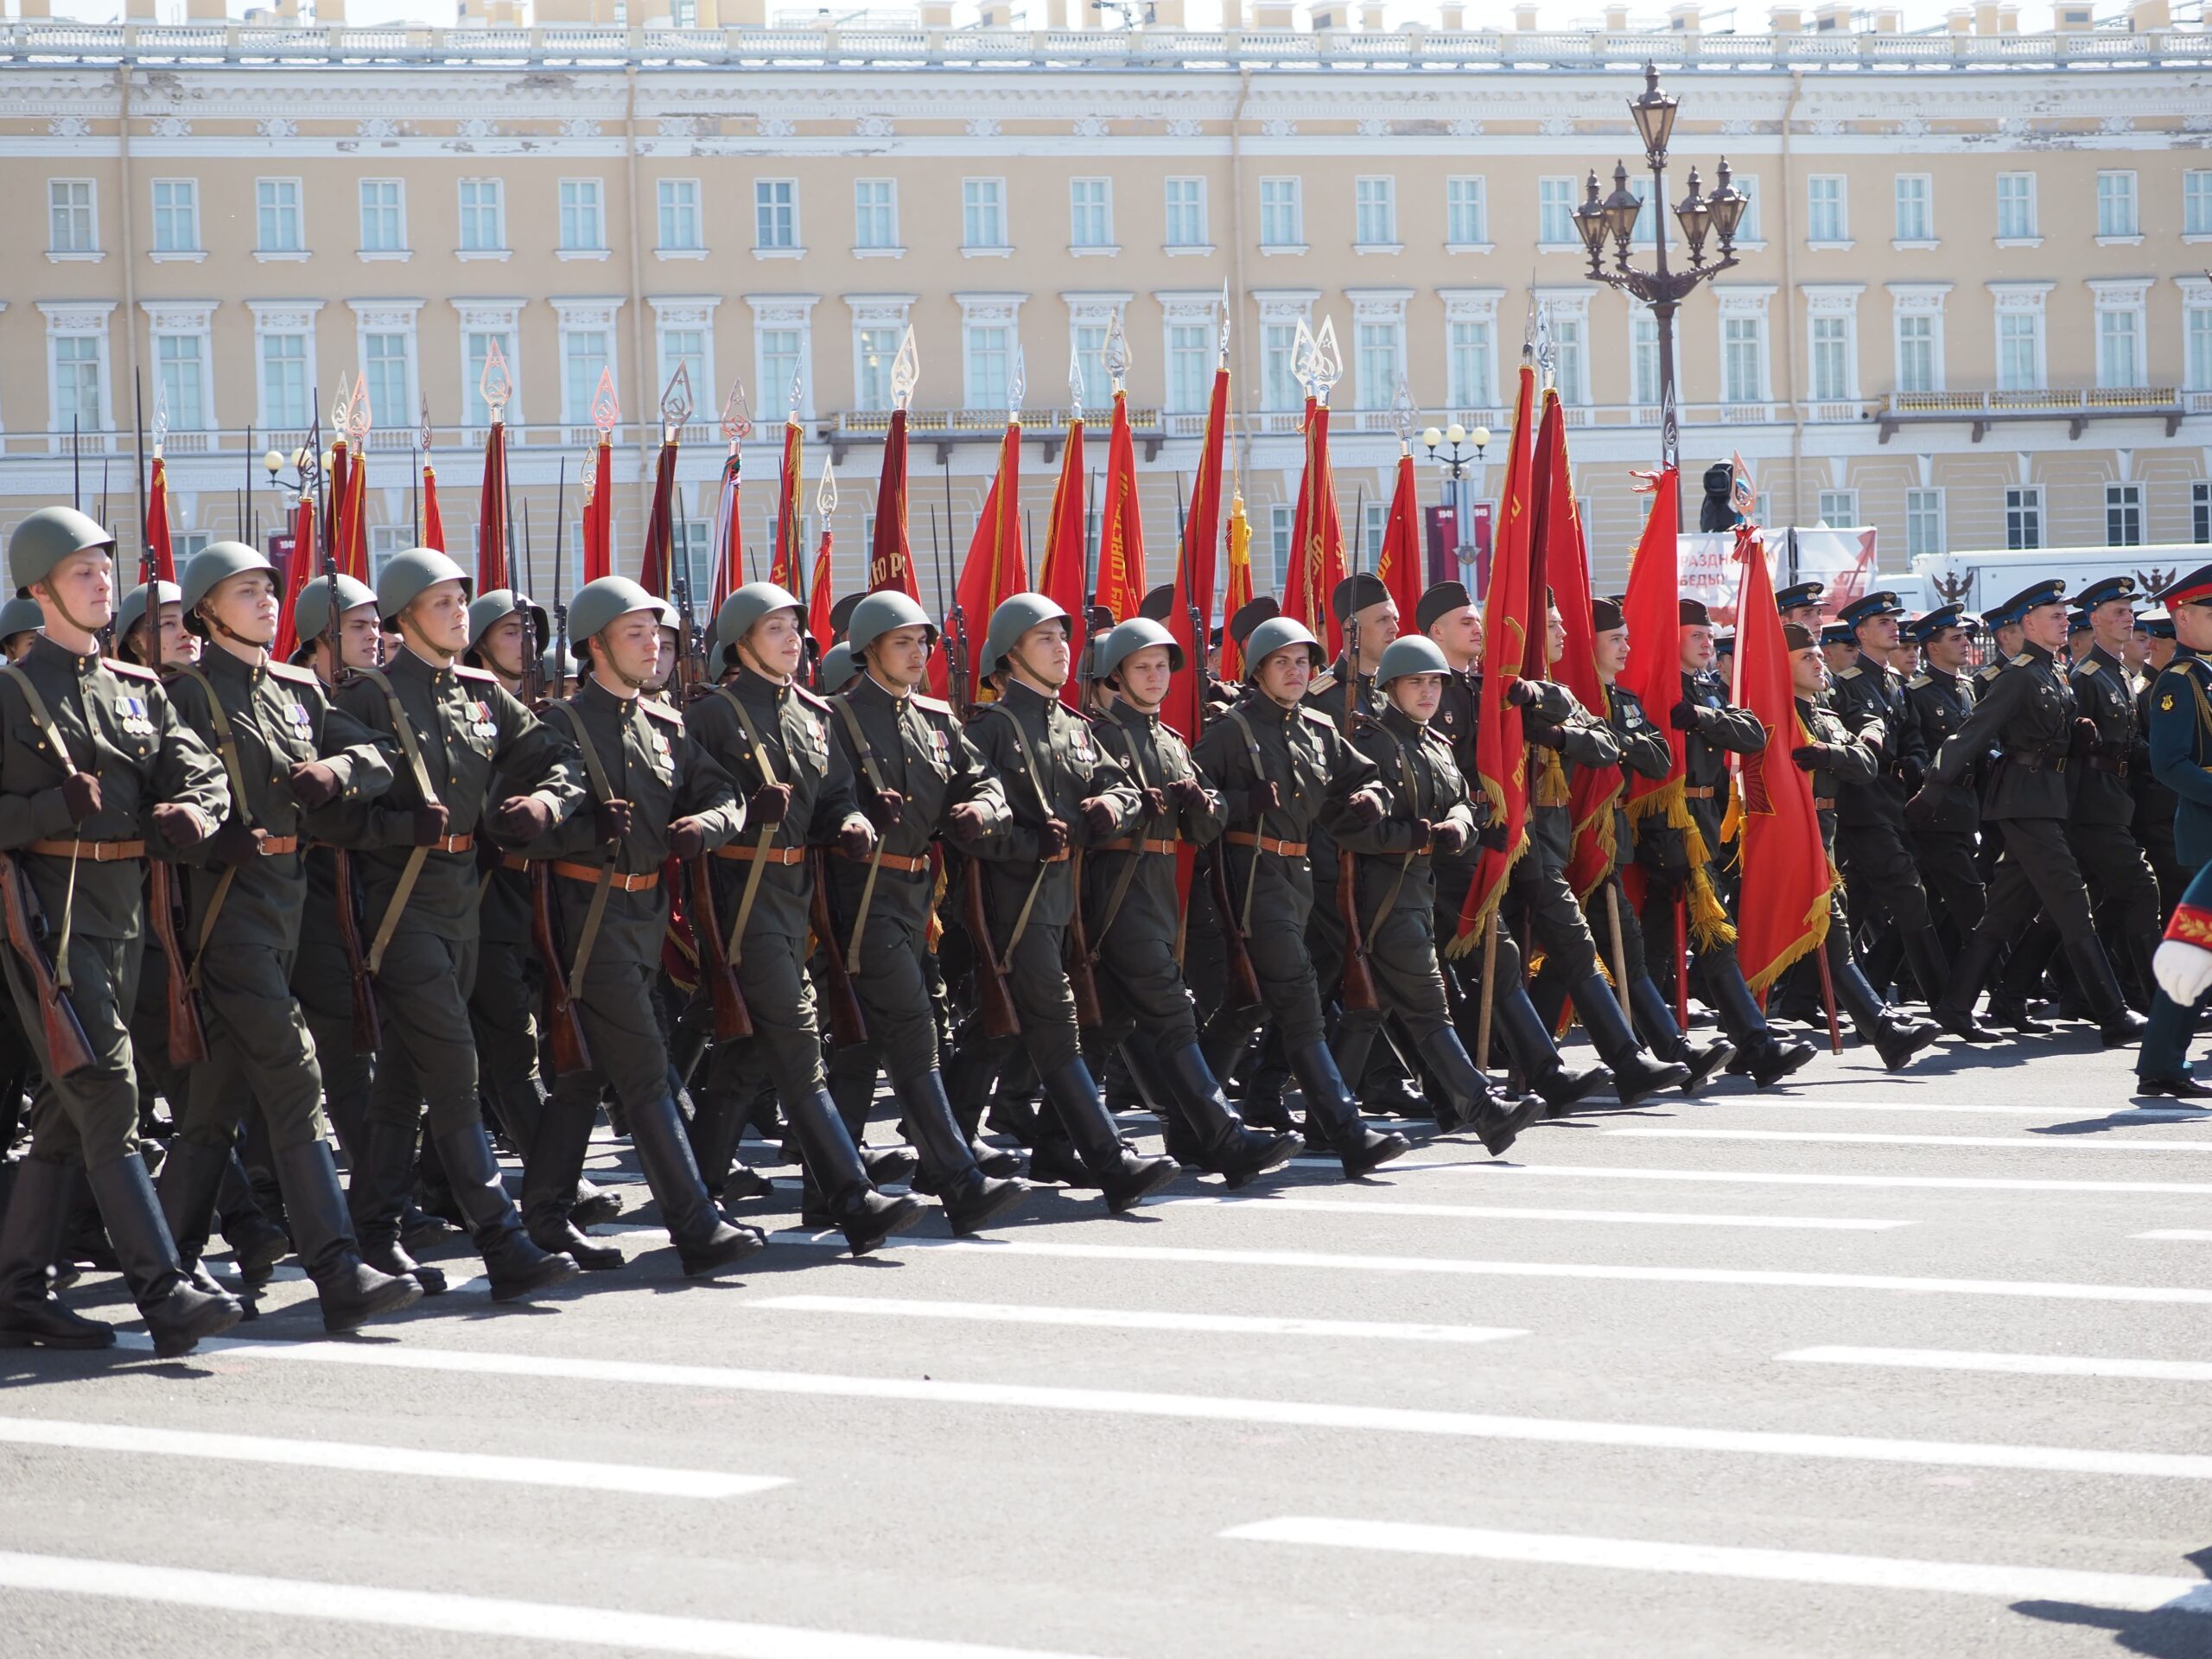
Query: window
x=874 y=350
x=77 y=402
x=1916 y=352
x=1839 y=508
x=1380 y=346
x=476 y=347
x=1375 y=212
x=2116 y=204
x=384 y=222
x=2197 y=203
x=1555 y=214
x=1743 y=359
x=1374 y=524
x=775 y=215
x=583 y=218
x=181 y=362
x=875 y=213
x=1282 y=524
x=2196 y=356
x=1090 y=213
x=2023 y=517
x=1644 y=358
x=384 y=370
x=1832 y=376
x=989 y=365
x=982 y=212
x=2120 y=345
x=679 y=215
x=1467 y=370
x=686 y=348
x=2016 y=208
x=276 y=216
x=284 y=389
x=71 y=226
x=1641 y=233
x=1282 y=213
x=2200 y=511
x=1280 y=392
x=483 y=216
x=1568 y=372
x=783 y=362
x=1825 y=219
x=583 y=358
x=176 y=216
x=1186 y=212
x=386 y=542
x=2019 y=351
x=2123 y=515
x=1747 y=227
x=1190 y=366
x=689 y=541
x=1915 y=214
x=1466 y=212
x=1924 y=522
x=1089 y=340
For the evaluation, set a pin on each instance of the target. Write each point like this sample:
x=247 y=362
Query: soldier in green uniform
x=921 y=778
x=1063 y=790
x=2181 y=756
x=286 y=753
x=773 y=736
x=454 y=728
x=158 y=639
x=93 y=764
x=20 y=621
x=1941 y=696
x=2100 y=829
x=2155 y=803
x=655 y=796
x=1280 y=767
x=2028 y=713
x=1133 y=916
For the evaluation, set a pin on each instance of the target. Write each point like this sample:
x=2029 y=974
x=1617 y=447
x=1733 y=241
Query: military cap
x=2160 y=625
x=2195 y=588
x=1692 y=614
x=838 y=666
x=1355 y=594
x=1838 y=633
x=1439 y=603
x=1251 y=615
x=840 y=613
x=1016 y=614
x=879 y=612
x=748 y=605
x=2077 y=622
x=406 y=575
x=1797 y=593
x=132 y=611
x=1795 y=636
x=1414 y=654
x=1723 y=645
x=311 y=610
x=47 y=536
x=2105 y=589
x=1605 y=616
x=1280 y=634
x=1868 y=607
x=2050 y=591
x=20 y=616
x=1116 y=646
x=486 y=609
x=599 y=603
x=1158 y=603
x=1922 y=629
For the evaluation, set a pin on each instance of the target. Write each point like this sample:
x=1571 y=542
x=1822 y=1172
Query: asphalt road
x=1869 y=1365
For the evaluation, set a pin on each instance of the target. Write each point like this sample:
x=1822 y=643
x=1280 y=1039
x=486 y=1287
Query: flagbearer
x=2181 y=758
x=1941 y=696
x=2100 y=828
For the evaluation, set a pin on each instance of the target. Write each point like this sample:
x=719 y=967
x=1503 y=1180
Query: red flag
x=598 y=515
x=1121 y=525
x=1399 y=569
x=297 y=574
x=656 y=564
x=1784 y=910
x=1591 y=793
x=157 y=524
x=492 y=512
x=1237 y=593
x=1501 y=752
x=341 y=502
x=817 y=598
x=996 y=567
x=353 y=550
x=434 y=523
x=1317 y=537
x=1652 y=610
x=891 y=561
x=1192 y=614
x=1061 y=578
x=784 y=568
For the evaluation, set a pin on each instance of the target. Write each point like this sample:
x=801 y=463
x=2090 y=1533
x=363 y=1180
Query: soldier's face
x=672 y=646
x=1417 y=695
x=631 y=645
x=245 y=604
x=178 y=643
x=2114 y=623
x=83 y=585
x=1378 y=626
x=1458 y=635
x=439 y=617
x=2010 y=639
x=1950 y=649
x=1878 y=634
x=1554 y=638
x=776 y=644
x=1043 y=653
x=1696 y=647
x=2139 y=646
x=2156 y=653
x=1838 y=657
x=901 y=657
x=2193 y=625
x=1145 y=675
x=1806 y=616
x=1808 y=673
x=15 y=645
x=1612 y=653
x=501 y=646
x=2045 y=625
x=1285 y=674
x=359 y=635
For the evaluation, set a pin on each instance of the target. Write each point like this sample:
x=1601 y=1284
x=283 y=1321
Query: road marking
x=1938 y=1359
x=2082 y=1142
x=2178 y=1235
x=2127 y=1591
x=1776 y=1178
x=2155 y=1114
x=423 y=1610
x=1136 y=1320
x=1486 y=1212
x=383 y=1460
x=1218 y=1408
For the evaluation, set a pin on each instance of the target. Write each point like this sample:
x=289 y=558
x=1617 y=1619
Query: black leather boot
x=376 y=1193
x=1561 y=1085
x=1635 y=1074
x=1220 y=1144
x=1126 y=1176
x=256 y=1242
x=1929 y=962
x=1655 y=1023
x=522 y=1110
x=1472 y=1104
x=177 y=1313
x=549 y=1182
x=705 y=1243
x=1360 y=1148
x=351 y=1292
x=1894 y=1034
x=2118 y=1025
x=31 y=1316
x=966 y=1078
x=518 y=1268
x=1770 y=1058
x=950 y=1171
x=1954 y=1009
x=862 y=1214
x=191 y=1177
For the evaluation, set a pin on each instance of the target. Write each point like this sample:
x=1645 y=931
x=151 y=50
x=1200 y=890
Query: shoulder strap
x=227 y=737
x=752 y=735
x=1028 y=755
x=601 y=790
x=844 y=705
x=412 y=870
x=40 y=715
x=403 y=728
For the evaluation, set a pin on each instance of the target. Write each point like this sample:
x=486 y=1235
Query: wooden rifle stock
x=732 y=1017
x=66 y=1050
x=368 y=1029
x=847 y=1026
x=1243 y=979
x=994 y=997
x=1356 y=990
x=1075 y=956
x=570 y=1052
x=187 y=1037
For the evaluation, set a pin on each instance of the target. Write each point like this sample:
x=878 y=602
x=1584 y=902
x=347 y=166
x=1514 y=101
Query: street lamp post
x=1456 y=459
x=1662 y=289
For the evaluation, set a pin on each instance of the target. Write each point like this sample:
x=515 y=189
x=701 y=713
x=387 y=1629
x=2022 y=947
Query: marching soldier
x=923 y=779
x=93 y=762
x=1063 y=791
x=1941 y=696
x=163 y=640
x=2155 y=803
x=2029 y=712
x=773 y=736
x=454 y=728
x=2099 y=828
x=286 y=753
x=655 y=796
x=1839 y=647
x=2181 y=758
x=1800 y=603
x=20 y=619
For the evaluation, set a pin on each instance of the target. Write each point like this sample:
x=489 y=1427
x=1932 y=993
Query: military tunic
x=1868 y=696
x=1841 y=761
x=1561 y=734
x=1720 y=729
x=2100 y=829
x=1942 y=839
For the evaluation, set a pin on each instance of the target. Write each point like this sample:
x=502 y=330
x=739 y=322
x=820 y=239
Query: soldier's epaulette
x=1850 y=673
x=812 y=699
x=2023 y=659
x=133 y=670
x=930 y=705
x=661 y=711
x=277 y=670
x=462 y=672
x=1990 y=672
x=1916 y=682
x=1318 y=718
x=1320 y=683
x=2088 y=665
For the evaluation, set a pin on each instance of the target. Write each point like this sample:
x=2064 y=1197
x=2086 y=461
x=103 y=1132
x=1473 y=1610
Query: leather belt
x=746 y=853
x=454 y=843
x=2036 y=760
x=514 y=862
x=277 y=846
x=888 y=860
x=592 y=874
x=1267 y=844
x=1131 y=844
x=1703 y=794
x=99 y=852
x=2100 y=763
x=1824 y=804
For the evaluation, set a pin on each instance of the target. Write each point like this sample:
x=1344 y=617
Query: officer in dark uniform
x=1800 y=602
x=93 y=762
x=2155 y=803
x=2100 y=830
x=1839 y=647
x=2181 y=757
x=1941 y=696
x=2028 y=713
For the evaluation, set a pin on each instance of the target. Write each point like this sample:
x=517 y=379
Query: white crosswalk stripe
x=1498 y=1212
x=1844 y=1138
x=1242 y=1324
x=2178 y=1235
x=1489 y=1170
x=1937 y=1359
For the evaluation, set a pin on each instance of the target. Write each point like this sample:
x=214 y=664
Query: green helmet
x=406 y=575
x=501 y=603
x=1017 y=613
x=877 y=615
x=598 y=603
x=838 y=666
x=214 y=564
x=311 y=610
x=745 y=607
x=1116 y=646
x=46 y=537
x=132 y=611
x=1414 y=654
x=669 y=616
x=20 y=616
x=1275 y=634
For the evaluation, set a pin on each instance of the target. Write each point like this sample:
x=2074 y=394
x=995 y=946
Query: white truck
x=1979 y=581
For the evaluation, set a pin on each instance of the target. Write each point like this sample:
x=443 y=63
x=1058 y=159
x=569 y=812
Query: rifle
x=690 y=671
x=1243 y=988
x=732 y=1017
x=994 y=996
x=368 y=1029
x=570 y=1052
x=1356 y=991
x=66 y=1050
x=1075 y=947
x=847 y=1025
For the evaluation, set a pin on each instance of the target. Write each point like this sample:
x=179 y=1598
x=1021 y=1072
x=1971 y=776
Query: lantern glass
x=1655 y=113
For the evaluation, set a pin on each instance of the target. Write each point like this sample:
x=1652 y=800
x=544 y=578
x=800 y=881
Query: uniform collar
x=410 y=664
x=1126 y=713
x=1879 y=669
x=1941 y=676
x=218 y=664
x=44 y=648
x=1399 y=723
x=872 y=692
x=755 y=687
x=2035 y=653
x=592 y=694
x=2099 y=654
x=1019 y=696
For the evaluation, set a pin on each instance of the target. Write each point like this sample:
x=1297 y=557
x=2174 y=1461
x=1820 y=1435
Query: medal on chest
x=131 y=712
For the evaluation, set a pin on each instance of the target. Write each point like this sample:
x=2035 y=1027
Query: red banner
x=1121 y=525
x=656 y=562
x=598 y=515
x=434 y=522
x=818 y=605
x=491 y=513
x=891 y=561
x=1593 y=789
x=1237 y=590
x=298 y=570
x=1061 y=578
x=156 y=529
x=1399 y=568
x=996 y=566
x=784 y=567
x=1193 y=615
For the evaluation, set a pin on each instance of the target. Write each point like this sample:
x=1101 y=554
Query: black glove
x=885 y=807
x=1155 y=803
x=1364 y=808
x=1492 y=837
x=1451 y=838
x=687 y=838
x=81 y=793
x=179 y=825
x=1920 y=809
x=966 y=823
x=431 y=824
x=1683 y=716
x=1520 y=693
x=236 y=843
x=312 y=783
x=1052 y=839
x=611 y=820
x=1812 y=756
x=1424 y=833
x=1098 y=816
x=768 y=803
x=2084 y=737
x=1912 y=772
x=1546 y=736
x=1263 y=796
x=855 y=839
x=521 y=817
x=1189 y=794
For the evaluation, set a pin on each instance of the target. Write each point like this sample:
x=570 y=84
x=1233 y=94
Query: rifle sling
x=1128 y=872
x=1413 y=798
x=1258 y=821
x=736 y=948
x=844 y=707
x=42 y=718
x=1044 y=866
x=595 y=917
x=226 y=744
x=411 y=871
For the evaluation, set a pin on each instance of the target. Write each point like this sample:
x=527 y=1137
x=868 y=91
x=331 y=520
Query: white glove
x=2184 y=971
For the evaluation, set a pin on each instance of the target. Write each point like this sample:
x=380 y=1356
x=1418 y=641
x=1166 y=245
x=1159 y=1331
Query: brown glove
x=179 y=825
x=1052 y=839
x=966 y=822
x=1155 y=802
x=768 y=803
x=687 y=838
x=1451 y=838
x=521 y=817
x=312 y=783
x=80 y=792
x=1098 y=816
x=885 y=807
x=1365 y=808
x=236 y=843
x=1424 y=833
x=855 y=839
x=1189 y=794
x=1263 y=796
x=611 y=820
x=431 y=824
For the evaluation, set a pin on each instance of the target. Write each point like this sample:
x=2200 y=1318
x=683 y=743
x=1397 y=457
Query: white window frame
x=1295 y=207
x=1921 y=502
x=2031 y=235
x=988 y=310
x=692 y=314
x=1915 y=230
x=1836 y=236
x=1468 y=193
x=1079 y=244
x=498 y=251
x=2023 y=518
x=491 y=320
x=1831 y=303
x=667 y=201
x=1562 y=192
x=562 y=207
x=1919 y=300
x=264 y=254
x=392 y=317
x=1642 y=338
x=2124 y=195
x=1741 y=301
x=193 y=319
x=767 y=210
x=2196 y=204
x=981 y=196
x=1373 y=308
x=773 y=312
x=198 y=250
x=595 y=315
x=366 y=255
x=78 y=320
x=2124 y=496
x=2018 y=300
x=1169 y=244
x=2200 y=511
x=1093 y=312
x=91 y=253
x=1199 y=309
x=890 y=249
x=1281 y=310
x=888 y=313
x=1569 y=306
x=1374 y=215
x=2128 y=298
x=1845 y=501
x=2196 y=333
x=281 y=317
x=1477 y=307
x=1749 y=237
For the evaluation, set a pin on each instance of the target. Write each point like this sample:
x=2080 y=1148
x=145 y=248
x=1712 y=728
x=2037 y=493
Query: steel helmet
x=1416 y=653
x=838 y=666
x=1277 y=633
x=406 y=575
x=486 y=609
x=20 y=616
x=877 y=615
x=598 y=603
x=747 y=606
x=311 y=610
x=129 y=613
x=1117 y=644
x=46 y=537
x=1017 y=613
x=212 y=566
